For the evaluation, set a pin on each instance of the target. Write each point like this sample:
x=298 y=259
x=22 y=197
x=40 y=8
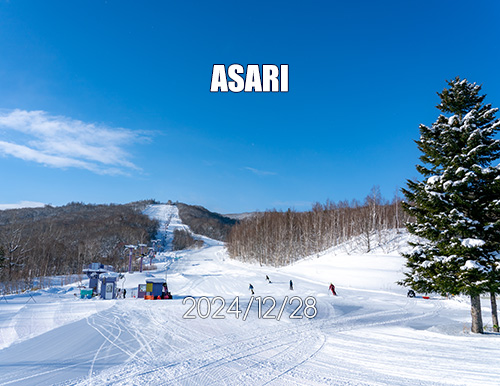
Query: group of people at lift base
x=331 y=288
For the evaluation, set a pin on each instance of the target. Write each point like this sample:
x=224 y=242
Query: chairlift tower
x=130 y=248
x=151 y=254
x=156 y=244
x=142 y=255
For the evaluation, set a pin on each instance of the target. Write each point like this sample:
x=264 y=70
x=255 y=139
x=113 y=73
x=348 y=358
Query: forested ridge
x=204 y=222
x=48 y=241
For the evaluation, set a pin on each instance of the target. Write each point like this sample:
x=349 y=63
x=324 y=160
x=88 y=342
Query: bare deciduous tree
x=280 y=238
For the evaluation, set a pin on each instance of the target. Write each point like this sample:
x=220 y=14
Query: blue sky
x=109 y=101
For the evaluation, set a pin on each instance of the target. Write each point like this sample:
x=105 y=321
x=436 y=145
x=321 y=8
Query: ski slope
x=370 y=334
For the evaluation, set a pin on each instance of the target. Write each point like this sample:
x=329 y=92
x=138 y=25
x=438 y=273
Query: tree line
x=279 y=238
x=54 y=241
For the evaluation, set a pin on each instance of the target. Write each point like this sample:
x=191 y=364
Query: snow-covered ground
x=370 y=334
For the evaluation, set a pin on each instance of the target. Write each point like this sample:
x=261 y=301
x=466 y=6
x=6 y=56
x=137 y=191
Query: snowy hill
x=370 y=334
x=168 y=217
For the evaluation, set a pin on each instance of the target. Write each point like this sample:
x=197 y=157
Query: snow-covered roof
x=155 y=280
x=109 y=275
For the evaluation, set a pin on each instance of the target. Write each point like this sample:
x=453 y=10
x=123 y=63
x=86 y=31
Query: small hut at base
x=108 y=285
x=93 y=271
x=156 y=288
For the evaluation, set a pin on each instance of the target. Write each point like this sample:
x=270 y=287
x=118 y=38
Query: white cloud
x=62 y=142
x=260 y=172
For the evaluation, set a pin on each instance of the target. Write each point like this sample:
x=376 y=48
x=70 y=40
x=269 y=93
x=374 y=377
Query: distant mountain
x=22 y=204
x=241 y=216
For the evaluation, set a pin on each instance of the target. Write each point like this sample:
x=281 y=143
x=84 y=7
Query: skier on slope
x=268 y=280
x=250 y=287
x=291 y=285
x=332 y=288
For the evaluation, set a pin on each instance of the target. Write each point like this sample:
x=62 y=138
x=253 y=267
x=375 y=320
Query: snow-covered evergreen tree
x=457 y=204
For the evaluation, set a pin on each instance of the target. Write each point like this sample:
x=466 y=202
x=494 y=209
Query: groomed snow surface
x=370 y=334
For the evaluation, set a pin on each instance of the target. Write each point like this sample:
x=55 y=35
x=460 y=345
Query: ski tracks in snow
x=257 y=358
x=256 y=352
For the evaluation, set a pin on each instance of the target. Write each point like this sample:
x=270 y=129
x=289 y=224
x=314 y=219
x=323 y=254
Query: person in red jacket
x=332 y=288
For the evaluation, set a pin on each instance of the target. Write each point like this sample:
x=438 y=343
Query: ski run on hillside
x=371 y=333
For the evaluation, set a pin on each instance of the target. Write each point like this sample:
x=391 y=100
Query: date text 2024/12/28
x=202 y=307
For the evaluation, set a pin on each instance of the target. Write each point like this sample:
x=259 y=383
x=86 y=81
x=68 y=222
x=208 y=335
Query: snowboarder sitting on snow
x=332 y=288
x=250 y=287
x=291 y=285
x=411 y=294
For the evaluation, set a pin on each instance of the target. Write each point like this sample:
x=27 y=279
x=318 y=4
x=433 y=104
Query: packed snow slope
x=370 y=334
